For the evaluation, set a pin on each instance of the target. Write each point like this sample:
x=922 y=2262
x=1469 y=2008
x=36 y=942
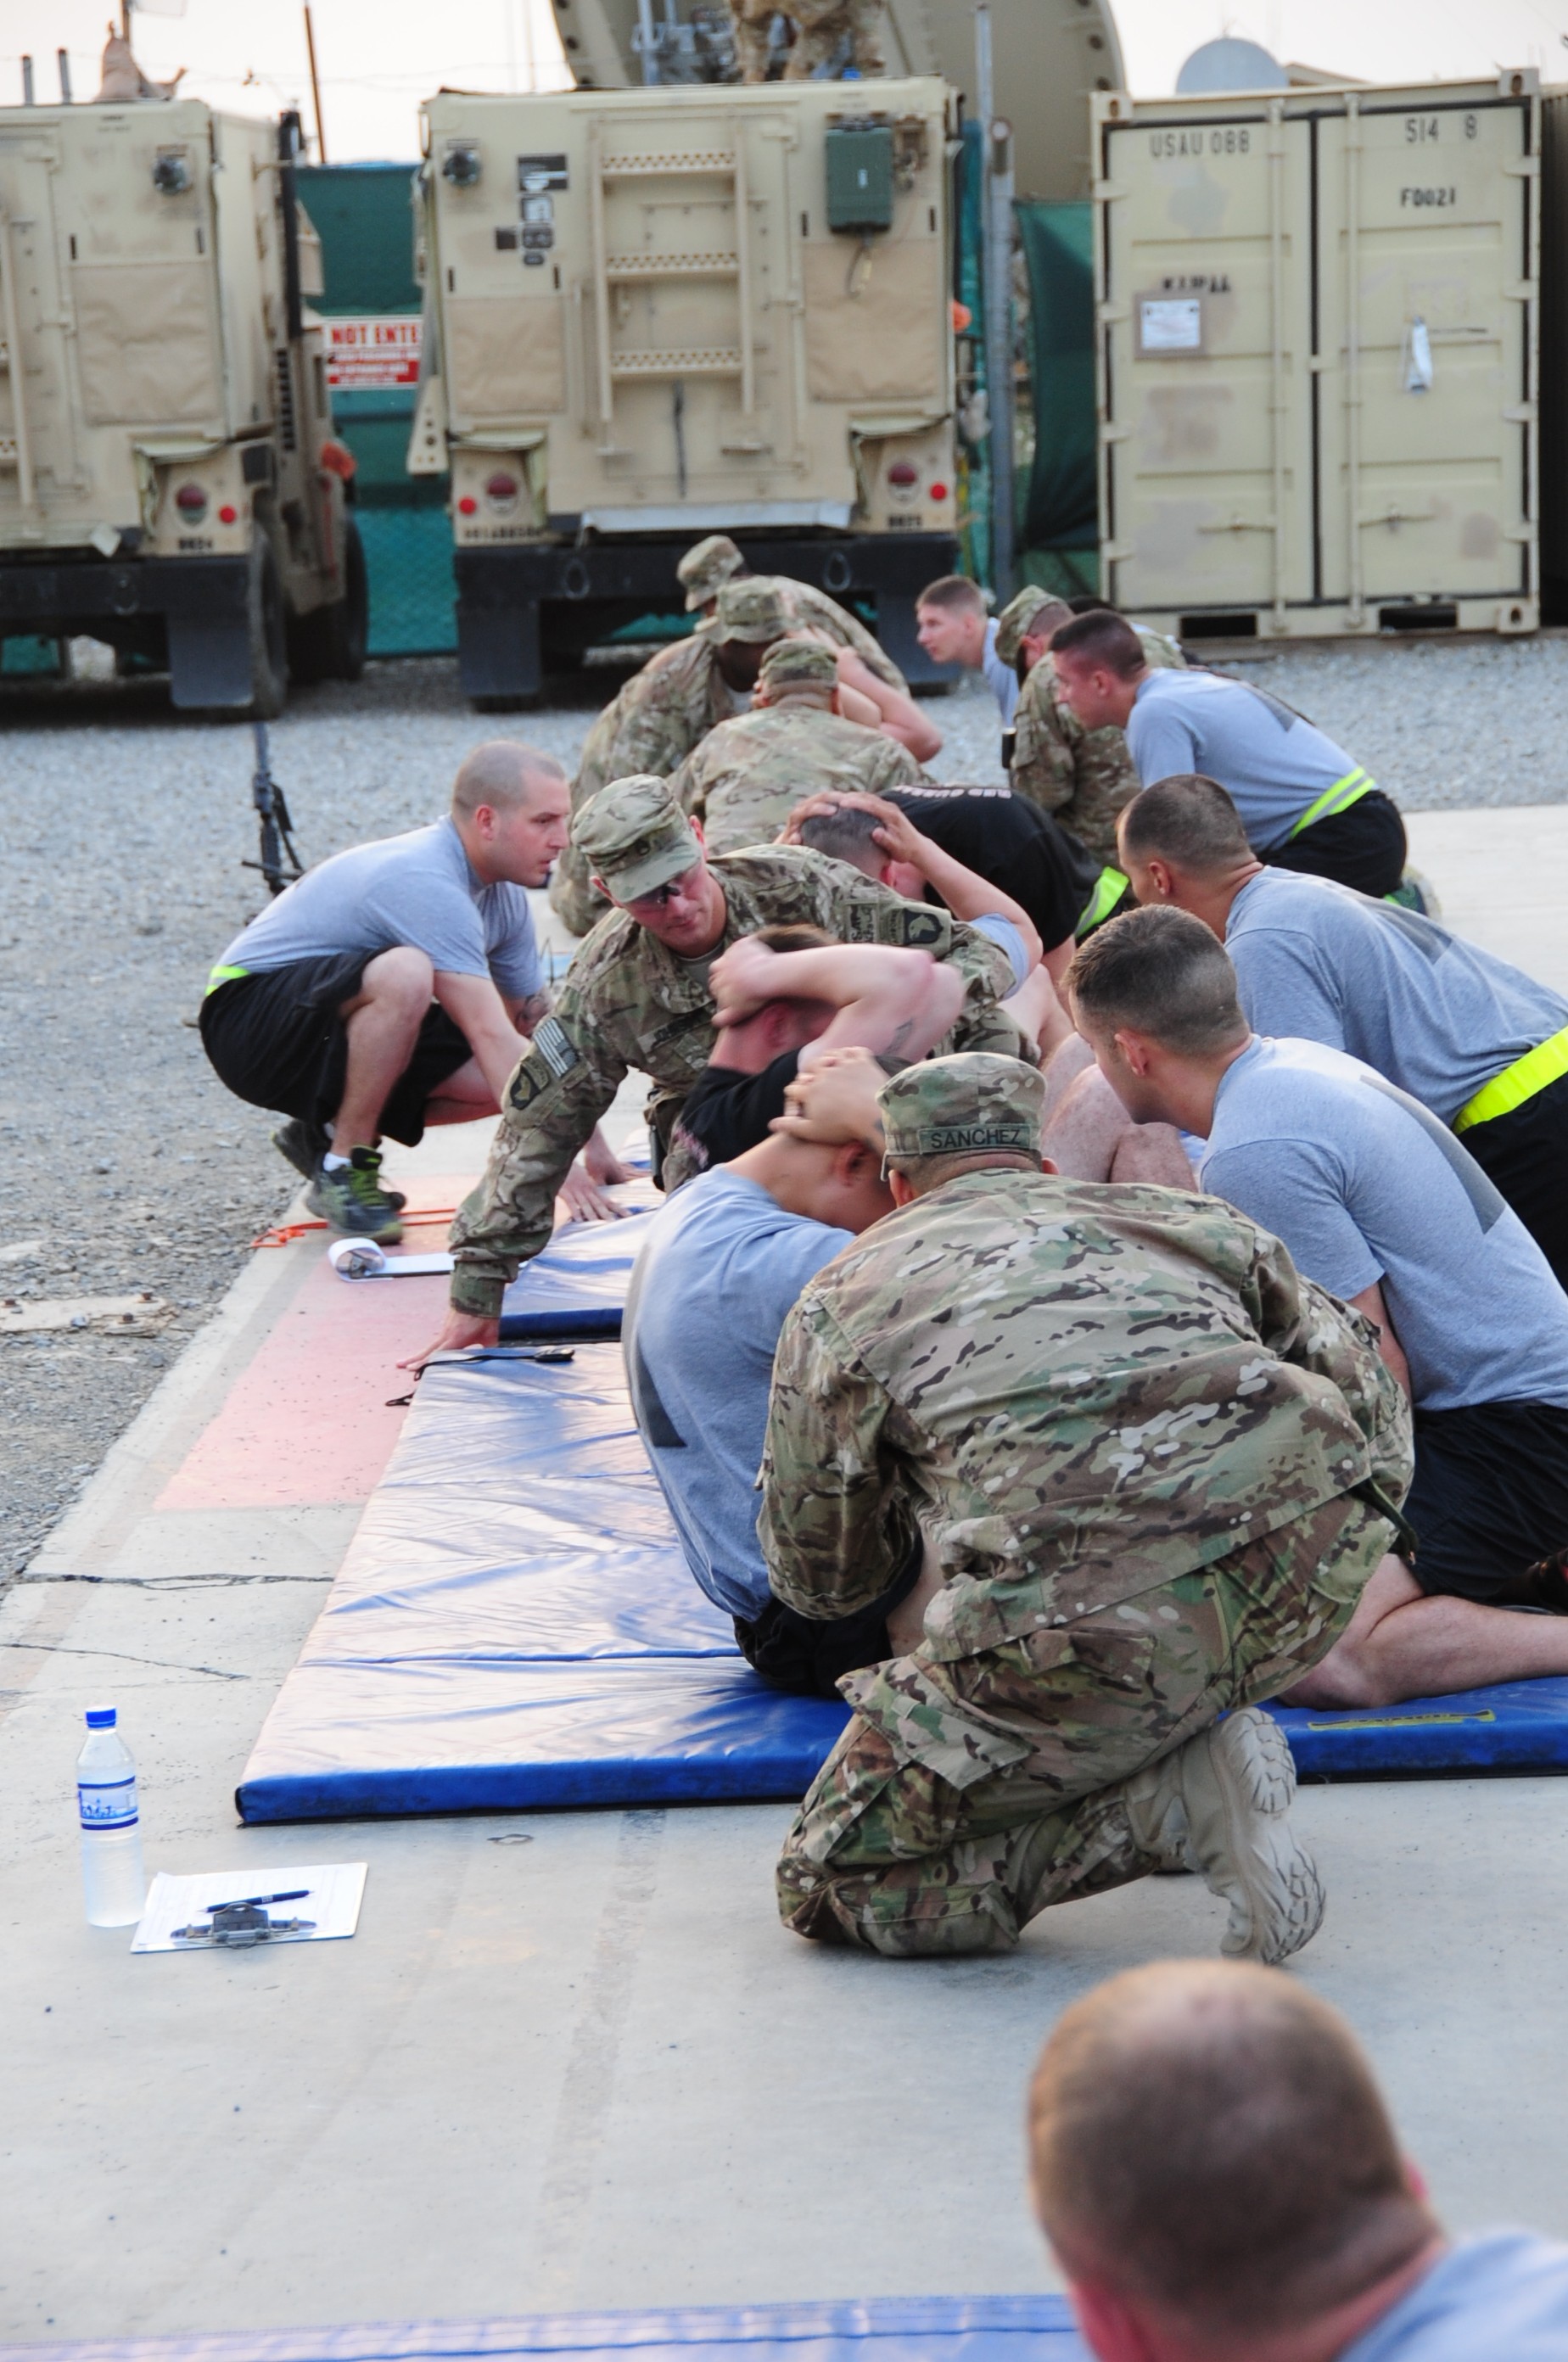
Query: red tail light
x=191 y=502
x=903 y=473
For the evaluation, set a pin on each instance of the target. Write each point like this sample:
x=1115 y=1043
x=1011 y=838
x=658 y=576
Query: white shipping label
x=1171 y=323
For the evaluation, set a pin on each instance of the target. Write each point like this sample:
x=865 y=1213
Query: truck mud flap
x=209 y=661
x=208 y=622
x=498 y=650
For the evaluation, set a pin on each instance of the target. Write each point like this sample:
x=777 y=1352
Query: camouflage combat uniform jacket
x=661 y=714
x=627 y=1003
x=748 y=776
x=1082 y=777
x=1075 y=1394
x=807 y=606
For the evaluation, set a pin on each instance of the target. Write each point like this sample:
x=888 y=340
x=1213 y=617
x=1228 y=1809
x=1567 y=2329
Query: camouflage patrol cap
x=1017 y=617
x=747 y=610
x=971 y=1105
x=635 y=836
x=798 y=663
x=707 y=567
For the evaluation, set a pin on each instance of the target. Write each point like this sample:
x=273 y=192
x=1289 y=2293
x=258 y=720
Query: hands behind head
x=833 y=1099
x=740 y=980
x=895 y=832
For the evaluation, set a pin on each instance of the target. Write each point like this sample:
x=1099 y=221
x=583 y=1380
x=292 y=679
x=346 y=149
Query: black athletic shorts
x=276 y=1039
x=808 y=1654
x=1363 y=847
x=1525 y=1154
x=1490 y=1495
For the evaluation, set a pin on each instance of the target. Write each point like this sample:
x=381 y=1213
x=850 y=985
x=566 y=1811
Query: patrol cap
x=707 y=566
x=747 y=610
x=1017 y=617
x=965 y=1106
x=799 y=661
x=635 y=836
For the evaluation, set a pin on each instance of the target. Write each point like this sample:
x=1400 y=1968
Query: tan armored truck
x=169 y=480
x=655 y=314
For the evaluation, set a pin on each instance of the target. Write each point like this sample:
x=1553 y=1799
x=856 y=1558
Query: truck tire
x=266 y=623
x=329 y=642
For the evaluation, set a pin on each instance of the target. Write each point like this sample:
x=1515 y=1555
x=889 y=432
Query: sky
x=378 y=58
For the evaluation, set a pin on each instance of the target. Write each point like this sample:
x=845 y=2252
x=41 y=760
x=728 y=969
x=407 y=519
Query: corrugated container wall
x=1317 y=358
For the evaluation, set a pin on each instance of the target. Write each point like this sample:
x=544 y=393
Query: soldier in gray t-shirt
x=1380 y=1204
x=1478 y=1042
x=396 y=985
x=1305 y=803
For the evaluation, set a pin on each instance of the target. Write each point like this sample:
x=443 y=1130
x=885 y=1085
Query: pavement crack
x=172 y=1582
x=165 y=1665
x=572 y=2171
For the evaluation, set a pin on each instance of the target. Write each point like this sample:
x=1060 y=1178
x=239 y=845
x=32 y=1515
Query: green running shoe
x=352 y=1202
x=304 y=1144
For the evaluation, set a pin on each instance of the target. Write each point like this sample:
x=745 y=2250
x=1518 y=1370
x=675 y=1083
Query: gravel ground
x=124 y=1164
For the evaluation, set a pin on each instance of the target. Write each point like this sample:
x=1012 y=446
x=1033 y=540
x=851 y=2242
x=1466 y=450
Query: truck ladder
x=739 y=361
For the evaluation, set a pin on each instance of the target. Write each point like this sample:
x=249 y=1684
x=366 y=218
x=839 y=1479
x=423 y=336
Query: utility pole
x=998 y=281
x=314 y=89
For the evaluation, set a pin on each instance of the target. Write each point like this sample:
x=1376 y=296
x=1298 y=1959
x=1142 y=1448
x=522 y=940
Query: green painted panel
x=365 y=221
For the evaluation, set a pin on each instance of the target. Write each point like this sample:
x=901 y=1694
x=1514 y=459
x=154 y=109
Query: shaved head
x=504 y=774
x=1207 y=2140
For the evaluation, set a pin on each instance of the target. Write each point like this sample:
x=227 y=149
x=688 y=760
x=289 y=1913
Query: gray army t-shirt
x=720 y=1266
x=1272 y=763
x=1363 y=1184
x=417 y=889
x=1432 y=1012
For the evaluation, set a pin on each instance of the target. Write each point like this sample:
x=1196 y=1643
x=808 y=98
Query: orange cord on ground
x=284 y=1233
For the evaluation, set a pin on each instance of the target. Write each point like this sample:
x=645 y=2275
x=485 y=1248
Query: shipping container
x=1317 y=358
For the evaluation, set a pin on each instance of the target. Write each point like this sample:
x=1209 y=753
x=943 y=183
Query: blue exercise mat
x=922 y=2329
x=577 y=1288
x=514 y=1627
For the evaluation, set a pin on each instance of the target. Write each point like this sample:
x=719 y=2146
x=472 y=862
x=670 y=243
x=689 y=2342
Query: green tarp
x=363 y=217
x=1058 y=530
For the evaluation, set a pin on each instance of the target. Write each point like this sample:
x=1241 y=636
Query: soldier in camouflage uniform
x=748 y=776
x=834 y=36
x=664 y=711
x=831 y=36
x=712 y=562
x=636 y=995
x=1152 y=1469
x=1083 y=777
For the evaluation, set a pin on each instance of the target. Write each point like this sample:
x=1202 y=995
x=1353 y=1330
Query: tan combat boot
x=1222 y=1804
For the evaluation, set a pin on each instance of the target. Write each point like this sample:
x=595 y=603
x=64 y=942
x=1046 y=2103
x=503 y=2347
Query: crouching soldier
x=1152 y=1469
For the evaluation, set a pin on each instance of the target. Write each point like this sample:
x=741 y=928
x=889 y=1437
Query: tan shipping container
x=1317 y=358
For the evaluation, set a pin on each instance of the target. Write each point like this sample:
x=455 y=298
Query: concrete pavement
x=571 y=2060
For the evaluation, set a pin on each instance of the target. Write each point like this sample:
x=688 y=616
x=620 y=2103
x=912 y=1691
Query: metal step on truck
x=655 y=314
x=168 y=479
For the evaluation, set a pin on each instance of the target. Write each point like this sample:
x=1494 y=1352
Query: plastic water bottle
x=111 y=1831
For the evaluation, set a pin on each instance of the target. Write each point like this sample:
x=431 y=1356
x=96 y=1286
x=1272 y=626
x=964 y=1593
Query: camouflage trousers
x=967 y=1797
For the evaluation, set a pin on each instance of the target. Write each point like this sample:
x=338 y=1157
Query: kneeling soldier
x=1151 y=1468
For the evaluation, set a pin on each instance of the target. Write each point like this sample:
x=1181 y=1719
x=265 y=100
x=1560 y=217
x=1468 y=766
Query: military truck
x=168 y=479
x=653 y=315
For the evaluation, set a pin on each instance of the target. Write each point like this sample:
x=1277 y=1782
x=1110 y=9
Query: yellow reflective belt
x=1517 y=1083
x=1337 y=799
x=1109 y=889
x=223 y=975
